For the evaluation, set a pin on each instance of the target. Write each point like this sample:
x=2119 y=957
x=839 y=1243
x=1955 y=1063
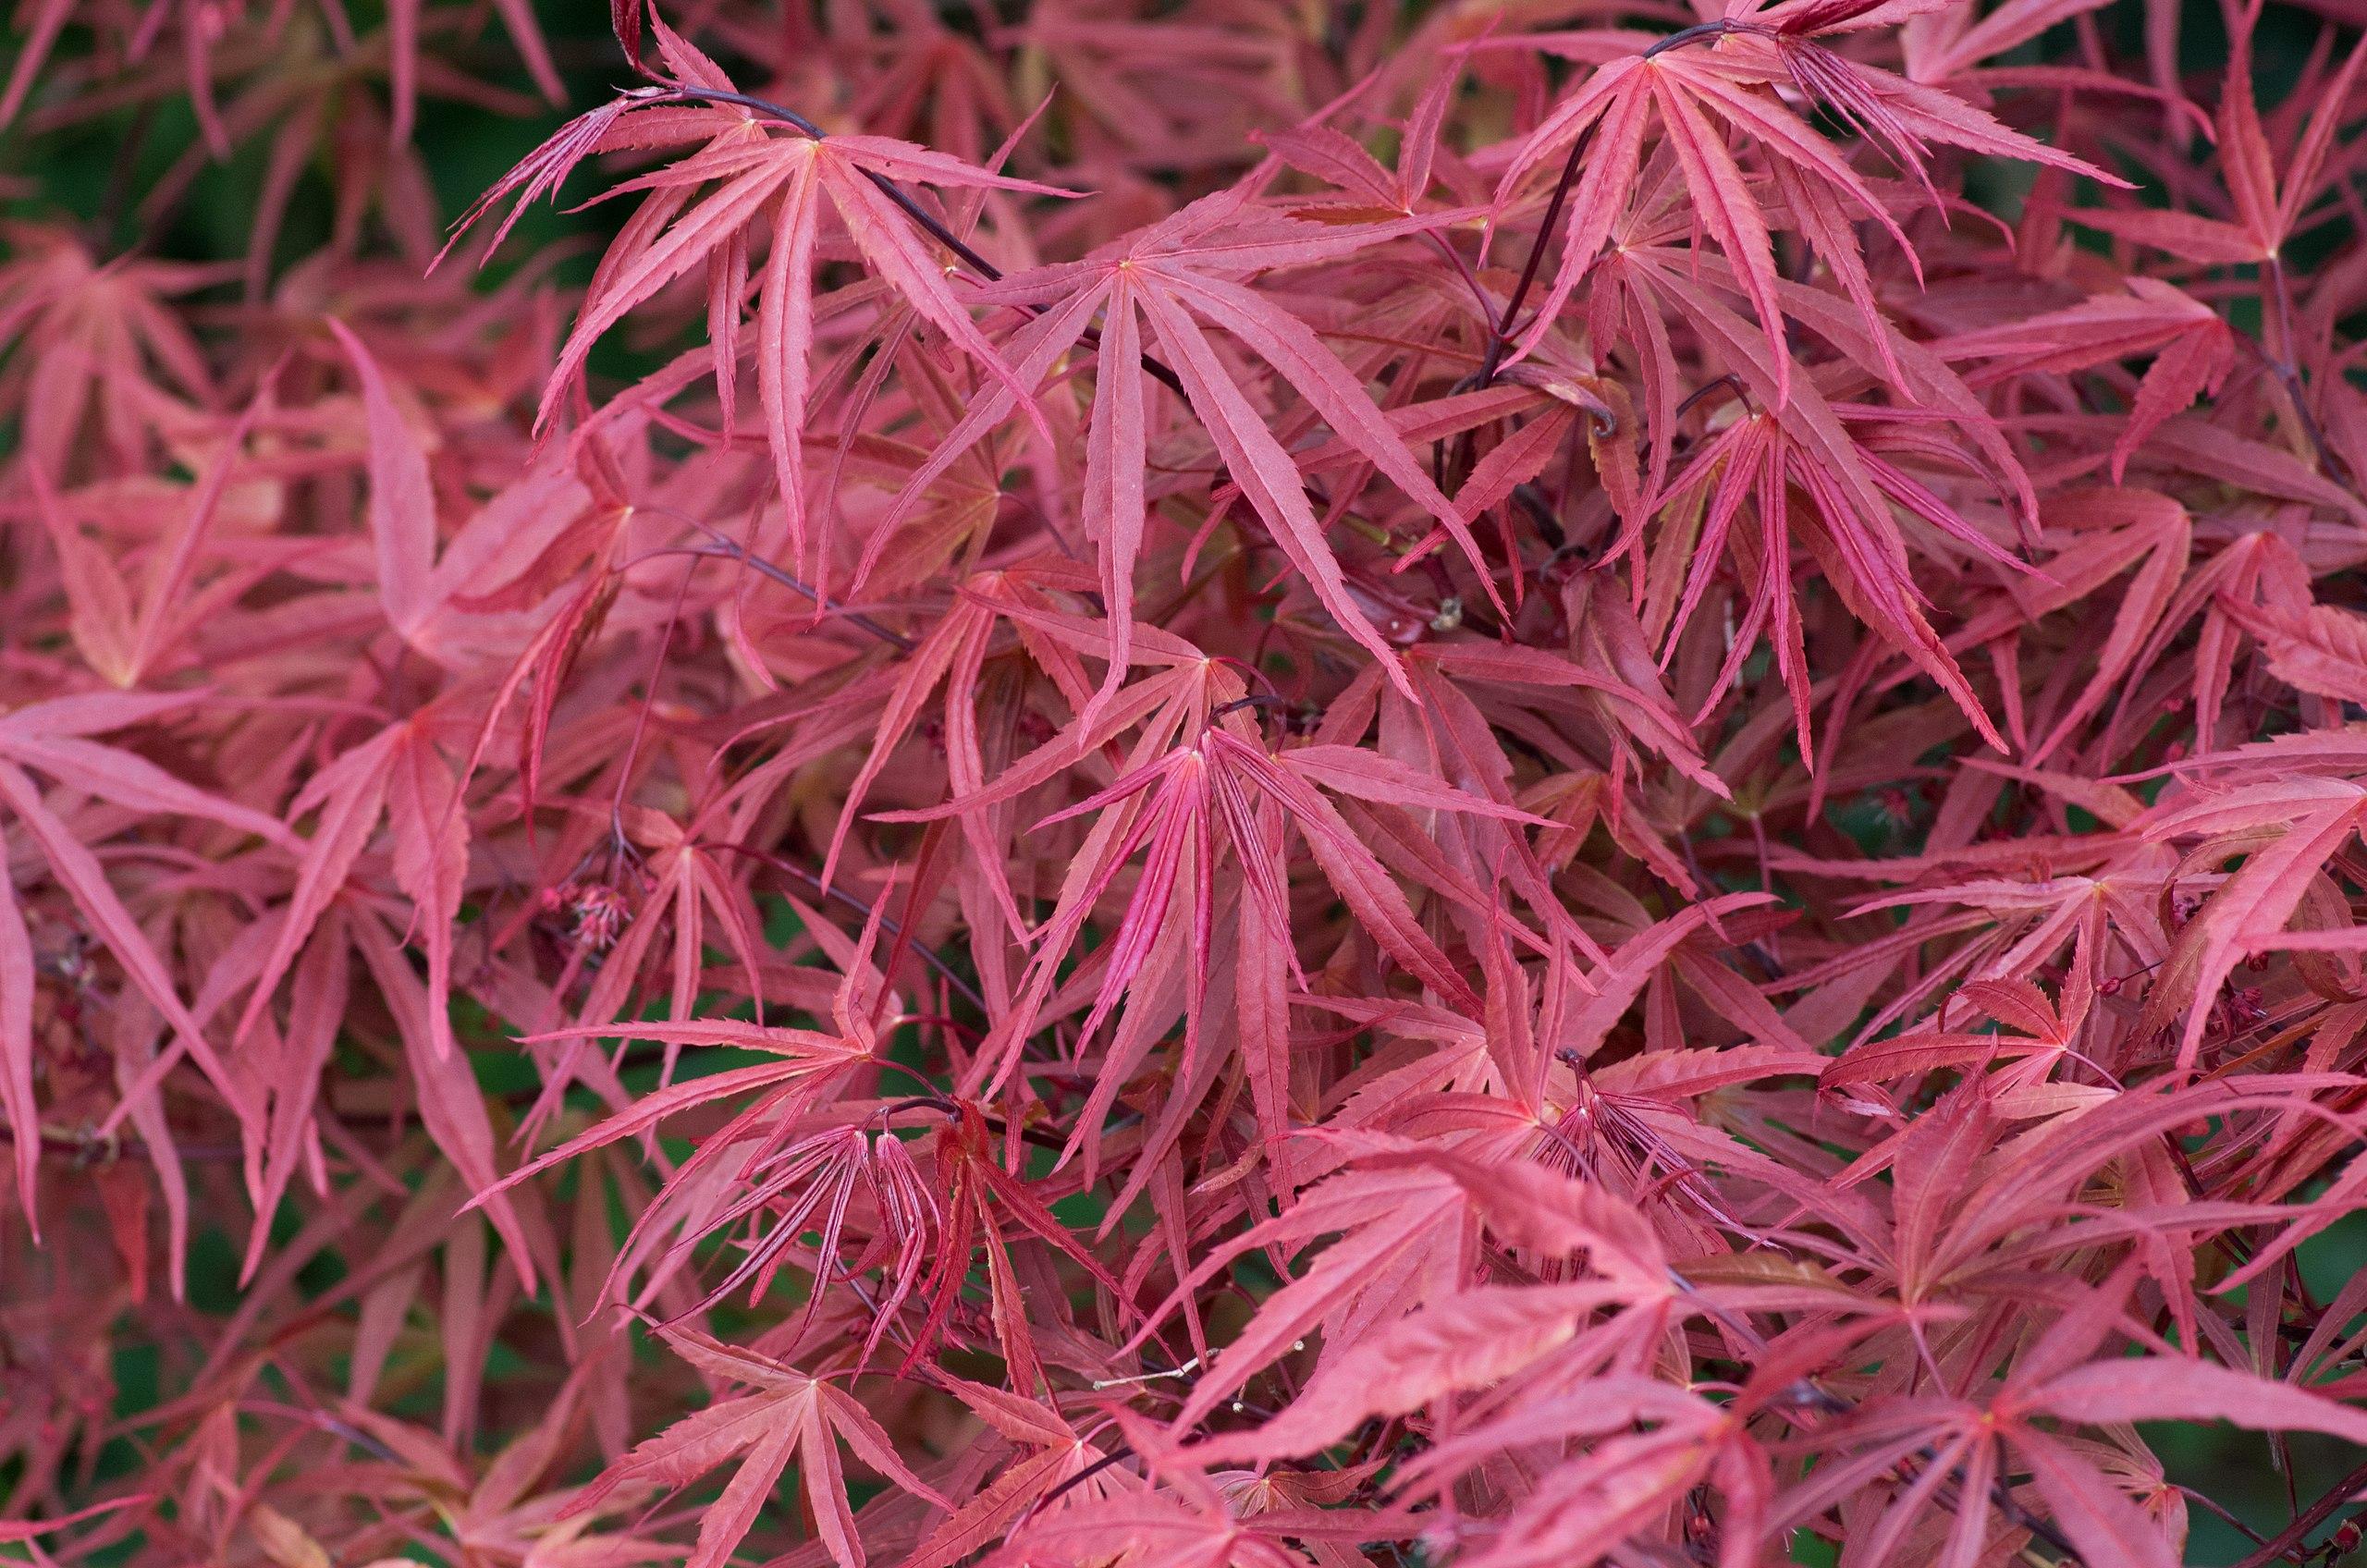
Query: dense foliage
x=1221 y=785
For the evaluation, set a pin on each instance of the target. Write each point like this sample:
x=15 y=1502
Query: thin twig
x=2279 y=1547
x=728 y=548
x=1500 y=339
x=2288 y=373
x=791 y=869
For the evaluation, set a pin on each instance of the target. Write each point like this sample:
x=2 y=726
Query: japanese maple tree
x=1216 y=785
